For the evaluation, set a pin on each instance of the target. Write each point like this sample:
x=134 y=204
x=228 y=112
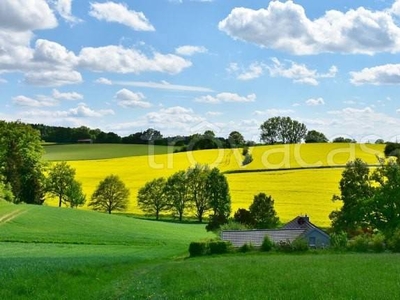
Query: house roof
x=299 y=226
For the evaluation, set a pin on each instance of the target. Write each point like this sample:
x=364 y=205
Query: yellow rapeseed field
x=307 y=191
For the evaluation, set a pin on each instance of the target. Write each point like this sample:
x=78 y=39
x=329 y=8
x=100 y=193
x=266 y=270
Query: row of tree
x=199 y=190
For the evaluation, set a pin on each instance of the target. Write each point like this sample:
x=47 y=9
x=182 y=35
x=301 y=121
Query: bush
x=267 y=244
x=219 y=247
x=394 y=241
x=339 y=240
x=360 y=243
x=246 y=248
x=284 y=246
x=248 y=158
x=299 y=245
x=232 y=225
x=377 y=243
x=198 y=248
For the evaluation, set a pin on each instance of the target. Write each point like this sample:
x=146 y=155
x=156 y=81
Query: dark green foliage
x=267 y=244
x=392 y=149
x=248 y=158
x=355 y=188
x=341 y=139
x=245 y=150
x=197 y=249
x=339 y=240
x=21 y=163
x=218 y=247
x=60 y=179
x=394 y=241
x=314 y=136
x=299 y=245
x=235 y=139
x=215 y=222
x=263 y=212
x=247 y=247
x=282 y=130
x=284 y=246
x=177 y=194
x=197 y=188
x=232 y=225
x=359 y=243
x=377 y=243
x=243 y=216
x=6 y=192
x=152 y=197
x=111 y=194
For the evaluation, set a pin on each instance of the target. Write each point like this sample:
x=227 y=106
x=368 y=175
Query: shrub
x=232 y=225
x=359 y=243
x=299 y=245
x=245 y=150
x=247 y=247
x=339 y=240
x=377 y=243
x=284 y=246
x=394 y=241
x=198 y=248
x=267 y=244
x=248 y=158
x=219 y=247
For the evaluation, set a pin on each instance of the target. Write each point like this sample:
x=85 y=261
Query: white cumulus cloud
x=380 y=75
x=315 y=101
x=226 y=97
x=119 y=13
x=66 y=96
x=127 y=98
x=190 y=50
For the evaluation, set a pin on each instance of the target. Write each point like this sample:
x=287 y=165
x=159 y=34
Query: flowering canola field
x=296 y=191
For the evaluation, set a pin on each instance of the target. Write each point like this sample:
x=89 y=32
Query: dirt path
x=12 y=215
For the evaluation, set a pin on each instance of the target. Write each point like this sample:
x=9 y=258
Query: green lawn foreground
x=53 y=253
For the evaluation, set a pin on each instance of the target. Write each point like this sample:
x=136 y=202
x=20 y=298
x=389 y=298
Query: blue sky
x=186 y=66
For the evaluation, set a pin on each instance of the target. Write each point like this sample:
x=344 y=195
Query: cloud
x=164 y=86
x=190 y=50
x=119 y=13
x=53 y=78
x=226 y=97
x=66 y=96
x=30 y=102
x=103 y=80
x=53 y=54
x=64 y=8
x=214 y=113
x=273 y=112
x=381 y=75
x=355 y=31
x=118 y=59
x=255 y=70
x=127 y=98
x=315 y=102
x=22 y=15
x=299 y=73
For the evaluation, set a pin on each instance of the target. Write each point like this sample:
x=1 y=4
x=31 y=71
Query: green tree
x=111 y=194
x=197 y=181
x=60 y=178
x=282 y=130
x=263 y=212
x=177 y=193
x=384 y=206
x=236 y=139
x=152 y=198
x=355 y=191
x=21 y=163
x=74 y=195
x=314 y=136
x=244 y=217
x=6 y=192
x=219 y=199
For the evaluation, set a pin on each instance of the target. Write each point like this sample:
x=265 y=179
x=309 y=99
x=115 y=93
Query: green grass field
x=62 y=253
x=59 y=152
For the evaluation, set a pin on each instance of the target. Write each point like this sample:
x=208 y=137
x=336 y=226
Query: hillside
x=296 y=191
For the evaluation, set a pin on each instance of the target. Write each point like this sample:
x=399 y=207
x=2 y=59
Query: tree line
x=198 y=191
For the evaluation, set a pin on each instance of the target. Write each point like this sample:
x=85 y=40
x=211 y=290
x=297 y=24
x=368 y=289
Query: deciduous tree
x=197 y=181
x=282 y=130
x=236 y=139
x=263 y=212
x=21 y=163
x=111 y=194
x=177 y=193
x=60 y=178
x=314 y=136
x=152 y=198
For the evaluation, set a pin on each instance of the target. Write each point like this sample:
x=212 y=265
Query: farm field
x=58 y=152
x=62 y=253
x=295 y=190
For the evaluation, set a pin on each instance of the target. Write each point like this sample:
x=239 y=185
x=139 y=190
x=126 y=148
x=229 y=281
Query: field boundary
x=289 y=169
x=11 y=216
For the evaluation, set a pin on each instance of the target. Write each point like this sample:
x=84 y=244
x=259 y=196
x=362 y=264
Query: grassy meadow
x=301 y=178
x=63 y=253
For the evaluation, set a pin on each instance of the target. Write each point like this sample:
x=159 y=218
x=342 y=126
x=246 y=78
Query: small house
x=299 y=227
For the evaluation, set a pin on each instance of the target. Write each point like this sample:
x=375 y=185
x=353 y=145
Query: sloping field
x=304 y=191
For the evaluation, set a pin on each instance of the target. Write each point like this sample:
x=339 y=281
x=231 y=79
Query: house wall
x=321 y=239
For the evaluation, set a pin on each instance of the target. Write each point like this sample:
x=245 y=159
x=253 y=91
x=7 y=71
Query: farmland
x=52 y=253
x=301 y=178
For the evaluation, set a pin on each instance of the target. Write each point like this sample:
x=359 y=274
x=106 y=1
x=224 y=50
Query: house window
x=312 y=241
